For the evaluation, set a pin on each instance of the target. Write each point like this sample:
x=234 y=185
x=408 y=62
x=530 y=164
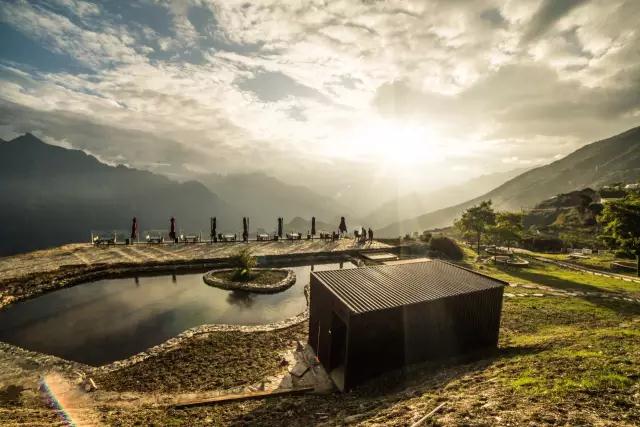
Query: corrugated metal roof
x=386 y=286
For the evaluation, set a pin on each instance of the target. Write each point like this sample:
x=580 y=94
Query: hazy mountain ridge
x=264 y=198
x=602 y=162
x=52 y=195
x=303 y=225
x=416 y=203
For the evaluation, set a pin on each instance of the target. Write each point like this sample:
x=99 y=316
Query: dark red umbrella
x=172 y=229
x=245 y=229
x=134 y=228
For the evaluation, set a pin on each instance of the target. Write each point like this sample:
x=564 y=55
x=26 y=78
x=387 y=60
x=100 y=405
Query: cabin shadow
x=375 y=395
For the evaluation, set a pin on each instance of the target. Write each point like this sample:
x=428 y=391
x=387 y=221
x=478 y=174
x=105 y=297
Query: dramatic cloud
x=301 y=88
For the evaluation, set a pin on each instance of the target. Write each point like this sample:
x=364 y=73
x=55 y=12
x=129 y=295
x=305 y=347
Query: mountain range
x=52 y=195
x=615 y=159
x=417 y=203
x=264 y=199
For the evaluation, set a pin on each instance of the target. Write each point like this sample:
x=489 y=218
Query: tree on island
x=477 y=220
x=620 y=221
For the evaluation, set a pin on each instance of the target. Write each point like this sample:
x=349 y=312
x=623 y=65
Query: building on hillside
x=366 y=321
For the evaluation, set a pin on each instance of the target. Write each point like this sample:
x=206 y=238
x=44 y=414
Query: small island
x=245 y=277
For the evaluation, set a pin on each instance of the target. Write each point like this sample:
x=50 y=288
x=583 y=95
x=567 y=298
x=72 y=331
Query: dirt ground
x=220 y=360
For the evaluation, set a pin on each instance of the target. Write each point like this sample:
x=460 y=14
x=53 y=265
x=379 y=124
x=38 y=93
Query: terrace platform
x=85 y=254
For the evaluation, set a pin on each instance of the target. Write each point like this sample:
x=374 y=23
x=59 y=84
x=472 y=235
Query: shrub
x=448 y=247
x=245 y=262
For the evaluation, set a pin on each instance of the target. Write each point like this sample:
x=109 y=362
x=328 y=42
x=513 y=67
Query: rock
x=353 y=418
x=90 y=385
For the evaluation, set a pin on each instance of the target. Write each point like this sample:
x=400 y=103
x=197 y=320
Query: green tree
x=476 y=220
x=620 y=221
x=508 y=228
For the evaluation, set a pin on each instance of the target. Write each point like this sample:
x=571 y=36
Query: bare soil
x=219 y=360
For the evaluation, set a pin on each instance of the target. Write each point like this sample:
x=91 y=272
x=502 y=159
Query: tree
x=508 y=228
x=620 y=221
x=476 y=220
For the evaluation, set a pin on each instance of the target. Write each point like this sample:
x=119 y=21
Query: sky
x=426 y=92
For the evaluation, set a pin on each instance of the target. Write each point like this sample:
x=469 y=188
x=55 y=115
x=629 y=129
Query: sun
x=393 y=142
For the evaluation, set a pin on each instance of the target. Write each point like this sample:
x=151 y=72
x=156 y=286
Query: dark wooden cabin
x=369 y=320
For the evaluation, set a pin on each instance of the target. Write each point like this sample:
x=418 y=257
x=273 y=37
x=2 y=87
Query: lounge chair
x=101 y=240
x=228 y=237
x=294 y=236
x=261 y=237
x=155 y=239
x=192 y=238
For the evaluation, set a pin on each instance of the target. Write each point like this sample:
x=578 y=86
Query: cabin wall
x=376 y=345
x=452 y=326
x=322 y=304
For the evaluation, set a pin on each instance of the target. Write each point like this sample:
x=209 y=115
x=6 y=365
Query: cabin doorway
x=338 y=351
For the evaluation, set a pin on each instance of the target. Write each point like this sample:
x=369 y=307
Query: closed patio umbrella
x=172 y=229
x=245 y=229
x=280 y=224
x=213 y=229
x=134 y=229
x=313 y=225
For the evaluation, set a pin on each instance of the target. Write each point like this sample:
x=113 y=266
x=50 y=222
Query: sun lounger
x=98 y=240
x=294 y=236
x=190 y=239
x=155 y=239
x=261 y=237
x=227 y=237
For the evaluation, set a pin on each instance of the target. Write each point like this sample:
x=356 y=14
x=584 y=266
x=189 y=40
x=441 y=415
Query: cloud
x=549 y=12
x=188 y=85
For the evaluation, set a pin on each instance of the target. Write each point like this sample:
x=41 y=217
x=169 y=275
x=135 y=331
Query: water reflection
x=240 y=298
x=112 y=319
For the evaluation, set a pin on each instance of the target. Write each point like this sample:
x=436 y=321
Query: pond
x=112 y=319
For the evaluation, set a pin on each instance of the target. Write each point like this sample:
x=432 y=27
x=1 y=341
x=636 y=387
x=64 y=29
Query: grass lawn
x=596 y=262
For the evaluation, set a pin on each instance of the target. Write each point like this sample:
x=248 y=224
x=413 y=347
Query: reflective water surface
x=107 y=320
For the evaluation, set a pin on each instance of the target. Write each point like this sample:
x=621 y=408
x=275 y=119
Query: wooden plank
x=245 y=396
x=426 y=417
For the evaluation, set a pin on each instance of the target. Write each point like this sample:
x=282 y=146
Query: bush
x=543 y=244
x=448 y=247
x=245 y=262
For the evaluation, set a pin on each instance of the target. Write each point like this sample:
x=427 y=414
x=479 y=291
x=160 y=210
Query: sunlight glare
x=395 y=143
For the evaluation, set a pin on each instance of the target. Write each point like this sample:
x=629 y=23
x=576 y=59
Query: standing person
x=370 y=235
x=363 y=238
x=134 y=229
x=172 y=229
x=343 y=226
